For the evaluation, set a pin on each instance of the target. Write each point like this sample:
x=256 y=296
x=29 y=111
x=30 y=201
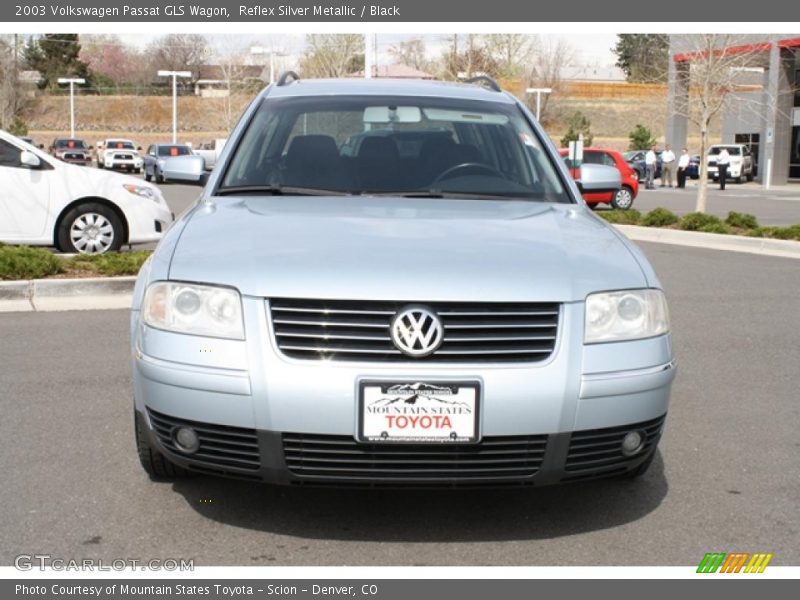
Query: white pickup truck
x=741 y=162
x=210 y=151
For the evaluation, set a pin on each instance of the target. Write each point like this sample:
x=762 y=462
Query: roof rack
x=485 y=80
x=284 y=78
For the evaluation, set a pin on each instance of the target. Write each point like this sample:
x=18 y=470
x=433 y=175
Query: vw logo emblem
x=417 y=331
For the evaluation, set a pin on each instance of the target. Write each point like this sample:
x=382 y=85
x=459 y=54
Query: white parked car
x=47 y=202
x=210 y=151
x=740 y=165
x=120 y=154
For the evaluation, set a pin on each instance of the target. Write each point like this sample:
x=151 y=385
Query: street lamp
x=538 y=92
x=71 y=81
x=174 y=75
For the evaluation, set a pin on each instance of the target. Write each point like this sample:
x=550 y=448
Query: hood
x=79 y=181
x=403 y=249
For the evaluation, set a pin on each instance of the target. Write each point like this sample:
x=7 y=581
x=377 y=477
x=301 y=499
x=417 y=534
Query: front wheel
x=623 y=199
x=90 y=229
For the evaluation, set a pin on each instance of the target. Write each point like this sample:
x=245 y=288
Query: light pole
x=538 y=92
x=174 y=75
x=71 y=81
x=272 y=54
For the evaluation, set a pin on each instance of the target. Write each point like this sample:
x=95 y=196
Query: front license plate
x=419 y=411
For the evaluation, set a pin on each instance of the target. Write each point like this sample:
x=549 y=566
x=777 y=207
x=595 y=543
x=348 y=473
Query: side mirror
x=203 y=180
x=29 y=159
x=599 y=178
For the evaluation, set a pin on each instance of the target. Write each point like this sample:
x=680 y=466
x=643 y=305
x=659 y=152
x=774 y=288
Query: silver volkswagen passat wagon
x=396 y=283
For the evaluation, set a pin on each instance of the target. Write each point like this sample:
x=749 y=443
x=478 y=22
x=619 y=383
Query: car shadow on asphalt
x=427 y=515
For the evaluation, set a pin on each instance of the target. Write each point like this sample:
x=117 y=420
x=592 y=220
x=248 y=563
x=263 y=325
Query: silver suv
x=397 y=283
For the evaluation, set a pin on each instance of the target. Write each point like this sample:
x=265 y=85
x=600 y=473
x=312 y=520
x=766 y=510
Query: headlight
x=140 y=190
x=625 y=315
x=194 y=309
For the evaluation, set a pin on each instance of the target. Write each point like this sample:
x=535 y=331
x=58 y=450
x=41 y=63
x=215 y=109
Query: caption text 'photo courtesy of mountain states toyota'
x=397 y=283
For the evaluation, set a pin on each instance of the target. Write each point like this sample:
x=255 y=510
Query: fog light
x=632 y=443
x=186 y=440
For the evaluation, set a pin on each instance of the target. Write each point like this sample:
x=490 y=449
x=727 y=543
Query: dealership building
x=763 y=112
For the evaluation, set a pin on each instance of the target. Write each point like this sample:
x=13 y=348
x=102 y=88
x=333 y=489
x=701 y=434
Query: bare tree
x=179 y=52
x=411 y=53
x=710 y=68
x=511 y=51
x=549 y=58
x=12 y=98
x=332 y=55
x=467 y=57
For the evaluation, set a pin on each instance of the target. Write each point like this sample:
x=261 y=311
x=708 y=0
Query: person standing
x=683 y=164
x=667 y=166
x=723 y=160
x=650 y=167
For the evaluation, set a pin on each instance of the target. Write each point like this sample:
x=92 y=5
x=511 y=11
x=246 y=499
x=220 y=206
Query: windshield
x=399 y=145
x=173 y=150
x=119 y=145
x=70 y=144
x=732 y=150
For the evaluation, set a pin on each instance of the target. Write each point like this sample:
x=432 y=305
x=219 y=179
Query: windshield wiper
x=276 y=189
x=434 y=193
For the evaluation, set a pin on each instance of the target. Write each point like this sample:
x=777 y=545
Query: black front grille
x=123 y=157
x=341 y=458
x=219 y=444
x=360 y=330
x=597 y=452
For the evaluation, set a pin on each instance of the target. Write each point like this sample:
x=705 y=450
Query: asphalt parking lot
x=725 y=478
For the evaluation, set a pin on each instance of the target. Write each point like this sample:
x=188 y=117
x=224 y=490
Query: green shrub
x=23 y=262
x=659 y=217
x=716 y=228
x=779 y=233
x=641 y=138
x=741 y=220
x=696 y=221
x=111 y=263
x=621 y=217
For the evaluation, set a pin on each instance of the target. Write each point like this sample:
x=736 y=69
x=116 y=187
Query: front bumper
x=309 y=459
x=281 y=414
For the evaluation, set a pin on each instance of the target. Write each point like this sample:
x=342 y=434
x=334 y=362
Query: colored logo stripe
x=734 y=563
x=758 y=563
x=711 y=562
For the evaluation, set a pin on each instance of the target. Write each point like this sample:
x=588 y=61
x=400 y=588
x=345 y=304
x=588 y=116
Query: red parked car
x=622 y=198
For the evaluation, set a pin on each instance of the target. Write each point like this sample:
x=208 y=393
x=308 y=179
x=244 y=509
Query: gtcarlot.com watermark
x=42 y=562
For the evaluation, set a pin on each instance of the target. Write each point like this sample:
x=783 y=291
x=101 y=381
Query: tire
x=155 y=464
x=750 y=175
x=623 y=199
x=106 y=236
x=147 y=176
x=740 y=179
x=159 y=177
x=637 y=472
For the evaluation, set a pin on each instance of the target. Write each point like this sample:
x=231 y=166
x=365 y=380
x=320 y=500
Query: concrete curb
x=713 y=241
x=116 y=292
x=66 y=294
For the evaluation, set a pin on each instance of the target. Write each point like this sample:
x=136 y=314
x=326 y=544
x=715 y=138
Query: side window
x=150 y=150
x=593 y=158
x=609 y=160
x=9 y=155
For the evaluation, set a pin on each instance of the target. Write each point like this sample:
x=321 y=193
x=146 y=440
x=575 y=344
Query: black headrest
x=308 y=148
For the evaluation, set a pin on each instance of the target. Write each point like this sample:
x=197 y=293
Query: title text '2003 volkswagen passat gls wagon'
x=396 y=283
